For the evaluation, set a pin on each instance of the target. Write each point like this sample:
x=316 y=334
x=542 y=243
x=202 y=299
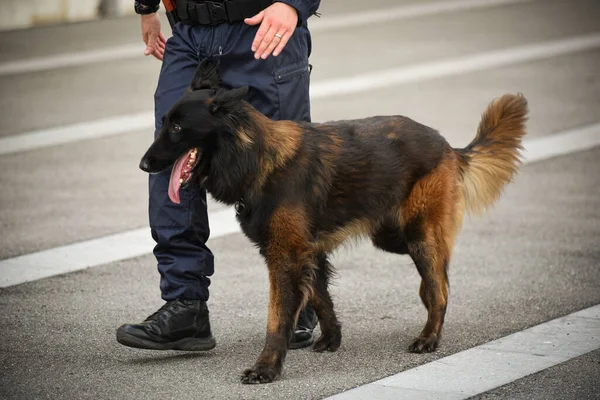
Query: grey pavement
x=534 y=257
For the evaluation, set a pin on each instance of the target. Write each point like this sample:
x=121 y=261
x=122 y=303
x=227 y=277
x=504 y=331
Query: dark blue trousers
x=279 y=88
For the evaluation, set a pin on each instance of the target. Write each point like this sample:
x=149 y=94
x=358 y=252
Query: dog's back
x=360 y=169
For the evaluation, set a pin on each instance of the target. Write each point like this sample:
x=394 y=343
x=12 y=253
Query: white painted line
x=138 y=242
x=77 y=132
x=326 y=23
x=543 y=148
x=96 y=252
x=370 y=17
x=454 y=66
x=73 y=59
x=491 y=365
x=335 y=87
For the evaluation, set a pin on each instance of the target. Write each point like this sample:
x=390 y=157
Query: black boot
x=177 y=325
x=303 y=334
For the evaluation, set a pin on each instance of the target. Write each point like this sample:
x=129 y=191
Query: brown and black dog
x=302 y=189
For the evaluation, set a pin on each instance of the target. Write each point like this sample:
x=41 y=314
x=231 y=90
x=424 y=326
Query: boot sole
x=187 y=344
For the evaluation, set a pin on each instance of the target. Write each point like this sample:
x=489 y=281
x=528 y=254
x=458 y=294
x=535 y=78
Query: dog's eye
x=176 y=128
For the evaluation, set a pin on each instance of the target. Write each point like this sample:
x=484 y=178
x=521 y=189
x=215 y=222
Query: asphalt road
x=533 y=258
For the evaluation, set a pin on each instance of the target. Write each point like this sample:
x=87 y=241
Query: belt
x=216 y=13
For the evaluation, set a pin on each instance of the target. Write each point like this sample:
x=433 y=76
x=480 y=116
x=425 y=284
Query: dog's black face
x=189 y=126
x=183 y=128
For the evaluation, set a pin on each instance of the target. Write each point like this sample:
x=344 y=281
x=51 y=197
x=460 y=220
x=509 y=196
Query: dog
x=302 y=189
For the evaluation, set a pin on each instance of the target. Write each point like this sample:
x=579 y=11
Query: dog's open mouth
x=182 y=172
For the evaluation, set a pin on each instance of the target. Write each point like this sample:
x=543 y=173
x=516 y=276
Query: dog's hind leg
x=429 y=219
x=432 y=264
x=331 y=334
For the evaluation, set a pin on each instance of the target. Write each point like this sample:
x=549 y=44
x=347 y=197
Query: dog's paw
x=259 y=374
x=328 y=342
x=424 y=344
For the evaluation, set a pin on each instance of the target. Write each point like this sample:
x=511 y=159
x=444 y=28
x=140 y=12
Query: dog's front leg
x=291 y=265
x=284 y=301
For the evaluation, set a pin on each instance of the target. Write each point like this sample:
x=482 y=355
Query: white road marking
x=77 y=132
x=370 y=17
x=567 y=142
x=73 y=59
x=335 y=87
x=138 y=242
x=326 y=23
x=492 y=364
x=96 y=252
x=454 y=66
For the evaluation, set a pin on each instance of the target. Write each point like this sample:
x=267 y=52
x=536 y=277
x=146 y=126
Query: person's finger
x=284 y=39
x=160 y=49
x=260 y=35
x=158 y=53
x=162 y=44
x=151 y=45
x=162 y=38
x=267 y=39
x=145 y=39
x=277 y=38
x=257 y=19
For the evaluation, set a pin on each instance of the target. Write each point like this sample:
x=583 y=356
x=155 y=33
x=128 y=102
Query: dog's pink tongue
x=174 y=183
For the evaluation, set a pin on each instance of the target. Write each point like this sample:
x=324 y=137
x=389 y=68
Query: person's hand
x=152 y=36
x=277 y=25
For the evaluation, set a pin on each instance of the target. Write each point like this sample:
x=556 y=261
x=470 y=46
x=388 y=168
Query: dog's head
x=190 y=124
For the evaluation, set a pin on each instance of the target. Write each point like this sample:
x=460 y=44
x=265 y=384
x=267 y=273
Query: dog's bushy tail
x=492 y=159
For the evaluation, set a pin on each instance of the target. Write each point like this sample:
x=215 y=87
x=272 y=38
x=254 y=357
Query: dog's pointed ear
x=207 y=76
x=226 y=100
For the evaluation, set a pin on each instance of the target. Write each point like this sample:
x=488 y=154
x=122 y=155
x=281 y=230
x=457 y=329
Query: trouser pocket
x=293 y=83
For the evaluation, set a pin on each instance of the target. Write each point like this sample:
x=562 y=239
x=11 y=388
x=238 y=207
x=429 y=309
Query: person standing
x=262 y=44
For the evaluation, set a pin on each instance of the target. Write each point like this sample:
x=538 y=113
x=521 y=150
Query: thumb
x=151 y=45
x=257 y=19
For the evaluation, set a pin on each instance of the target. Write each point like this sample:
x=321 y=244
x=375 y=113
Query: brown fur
x=494 y=156
x=434 y=200
x=281 y=141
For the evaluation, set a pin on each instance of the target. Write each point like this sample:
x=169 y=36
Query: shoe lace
x=167 y=307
